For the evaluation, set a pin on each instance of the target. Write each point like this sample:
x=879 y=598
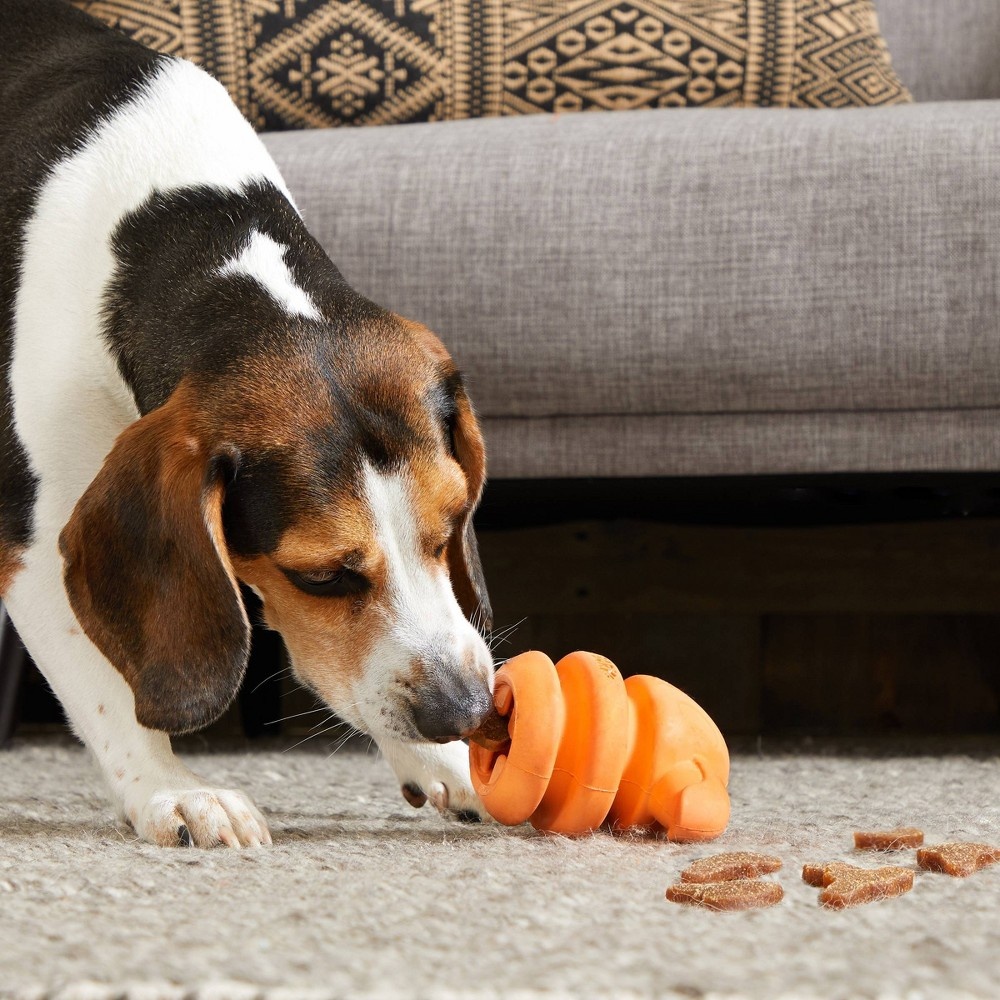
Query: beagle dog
x=192 y=396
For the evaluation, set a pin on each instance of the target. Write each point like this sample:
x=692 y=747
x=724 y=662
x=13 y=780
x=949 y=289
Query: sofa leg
x=12 y=657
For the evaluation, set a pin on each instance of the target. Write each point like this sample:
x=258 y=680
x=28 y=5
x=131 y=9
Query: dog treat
x=888 y=840
x=492 y=732
x=959 y=860
x=846 y=885
x=730 y=867
x=737 y=894
x=813 y=874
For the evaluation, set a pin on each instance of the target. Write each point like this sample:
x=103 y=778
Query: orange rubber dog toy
x=573 y=746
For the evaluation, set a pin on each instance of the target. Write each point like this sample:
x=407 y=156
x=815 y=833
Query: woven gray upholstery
x=681 y=261
x=944 y=50
x=700 y=444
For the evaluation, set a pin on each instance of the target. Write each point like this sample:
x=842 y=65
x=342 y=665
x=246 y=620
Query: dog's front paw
x=198 y=817
x=438 y=773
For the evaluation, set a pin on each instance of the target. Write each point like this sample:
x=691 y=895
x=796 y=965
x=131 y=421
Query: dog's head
x=338 y=479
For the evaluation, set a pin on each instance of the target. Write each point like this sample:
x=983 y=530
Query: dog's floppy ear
x=463 y=552
x=466 y=442
x=147 y=571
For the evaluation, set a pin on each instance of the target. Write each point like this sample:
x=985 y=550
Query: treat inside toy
x=492 y=733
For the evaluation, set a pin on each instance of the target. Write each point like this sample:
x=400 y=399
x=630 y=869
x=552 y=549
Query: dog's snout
x=451 y=710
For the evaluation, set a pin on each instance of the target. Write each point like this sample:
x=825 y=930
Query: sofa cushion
x=370 y=62
x=724 y=261
x=944 y=51
x=741 y=444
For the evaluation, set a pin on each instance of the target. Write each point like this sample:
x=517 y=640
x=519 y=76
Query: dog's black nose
x=449 y=711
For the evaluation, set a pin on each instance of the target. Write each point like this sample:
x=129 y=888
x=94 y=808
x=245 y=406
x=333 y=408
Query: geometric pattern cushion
x=319 y=63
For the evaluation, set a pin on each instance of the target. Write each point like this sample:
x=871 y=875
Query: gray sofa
x=702 y=292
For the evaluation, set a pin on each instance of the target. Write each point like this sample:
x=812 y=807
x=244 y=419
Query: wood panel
x=881 y=673
x=949 y=567
x=714 y=658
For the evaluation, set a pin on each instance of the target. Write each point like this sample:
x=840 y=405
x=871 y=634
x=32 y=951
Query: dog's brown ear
x=463 y=551
x=467 y=446
x=147 y=571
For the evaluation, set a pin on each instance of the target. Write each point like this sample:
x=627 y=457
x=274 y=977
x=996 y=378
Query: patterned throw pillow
x=314 y=63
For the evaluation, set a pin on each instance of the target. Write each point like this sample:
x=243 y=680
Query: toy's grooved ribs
x=590 y=788
x=586 y=748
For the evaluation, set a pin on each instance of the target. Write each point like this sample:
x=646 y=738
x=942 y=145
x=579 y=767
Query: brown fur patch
x=337 y=534
x=427 y=340
x=10 y=564
x=463 y=553
x=273 y=403
x=328 y=639
x=440 y=498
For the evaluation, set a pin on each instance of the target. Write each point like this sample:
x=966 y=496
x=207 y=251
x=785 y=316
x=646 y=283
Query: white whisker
x=277 y=673
x=298 y=715
x=311 y=736
x=352 y=731
x=501 y=636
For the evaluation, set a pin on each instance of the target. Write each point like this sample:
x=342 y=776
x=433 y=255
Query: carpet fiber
x=363 y=896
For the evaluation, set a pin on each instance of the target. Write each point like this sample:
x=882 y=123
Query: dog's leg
x=166 y=803
x=435 y=771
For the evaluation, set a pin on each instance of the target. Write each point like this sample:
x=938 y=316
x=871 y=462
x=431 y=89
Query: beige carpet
x=362 y=896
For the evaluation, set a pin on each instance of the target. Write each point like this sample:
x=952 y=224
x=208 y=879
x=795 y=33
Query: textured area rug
x=362 y=896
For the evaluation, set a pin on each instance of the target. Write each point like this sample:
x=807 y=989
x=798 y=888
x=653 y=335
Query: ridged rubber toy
x=572 y=746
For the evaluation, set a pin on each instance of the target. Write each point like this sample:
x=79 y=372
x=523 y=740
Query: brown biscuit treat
x=846 y=885
x=492 y=732
x=888 y=840
x=729 y=867
x=960 y=860
x=813 y=874
x=739 y=894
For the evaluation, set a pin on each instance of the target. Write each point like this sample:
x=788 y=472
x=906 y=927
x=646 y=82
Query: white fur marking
x=263 y=260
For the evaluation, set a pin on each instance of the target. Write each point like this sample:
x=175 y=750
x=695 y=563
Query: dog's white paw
x=198 y=817
x=438 y=773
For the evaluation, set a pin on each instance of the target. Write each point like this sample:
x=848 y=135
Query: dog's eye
x=341 y=582
x=439 y=551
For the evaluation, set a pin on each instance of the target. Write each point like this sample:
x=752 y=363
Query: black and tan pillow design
x=315 y=63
